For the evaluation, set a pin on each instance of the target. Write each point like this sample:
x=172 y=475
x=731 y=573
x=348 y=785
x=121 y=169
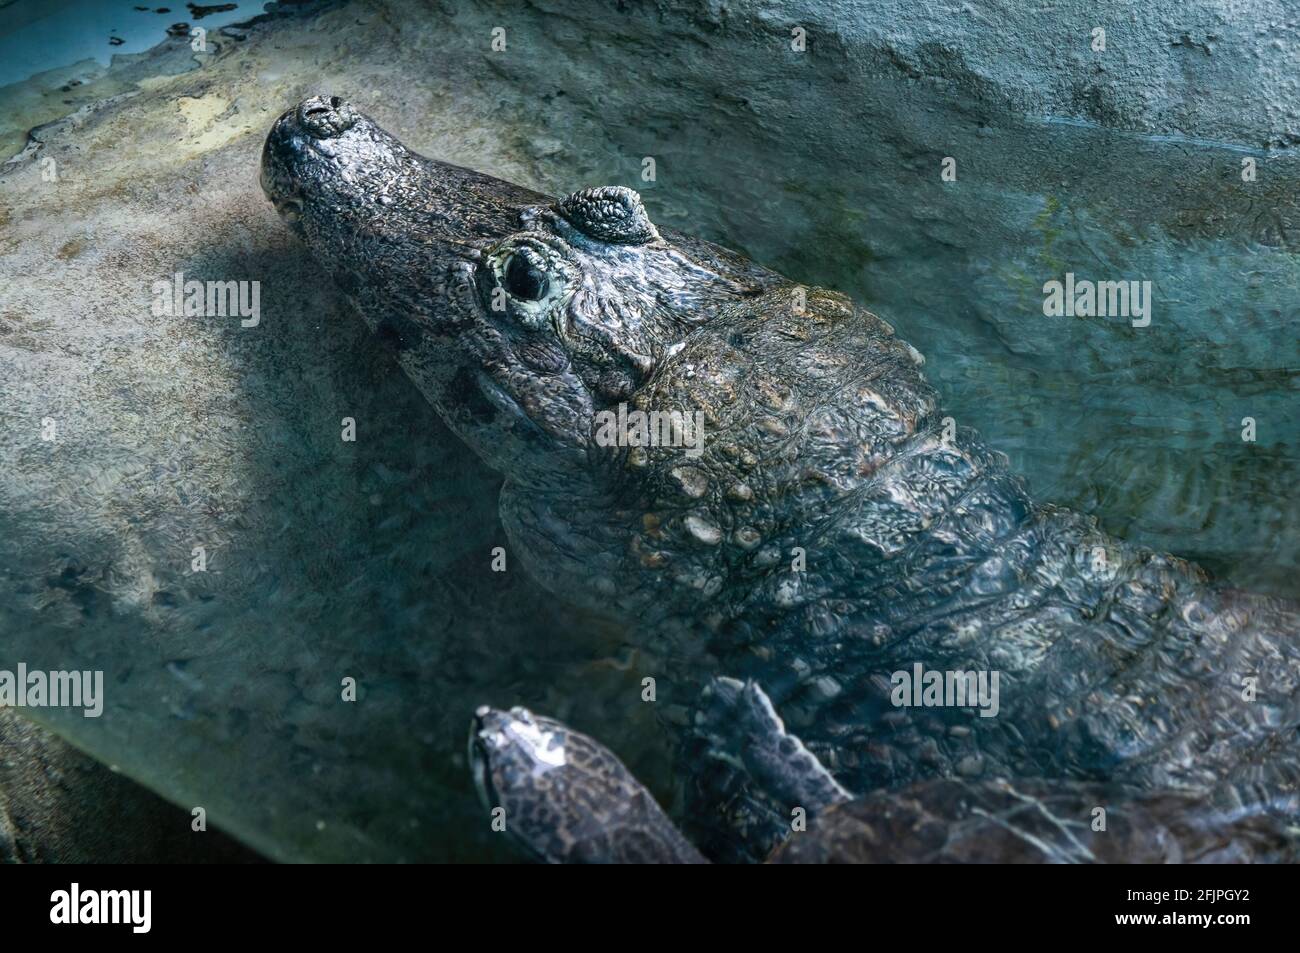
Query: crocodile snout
x=325 y=117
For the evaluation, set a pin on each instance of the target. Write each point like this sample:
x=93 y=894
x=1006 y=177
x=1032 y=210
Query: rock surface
x=59 y=806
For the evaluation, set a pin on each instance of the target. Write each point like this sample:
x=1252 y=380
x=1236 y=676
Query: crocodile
x=824 y=531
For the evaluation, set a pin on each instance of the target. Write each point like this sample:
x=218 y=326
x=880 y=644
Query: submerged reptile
x=566 y=798
x=827 y=527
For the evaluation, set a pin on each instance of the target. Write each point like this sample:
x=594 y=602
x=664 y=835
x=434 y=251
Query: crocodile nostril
x=324 y=118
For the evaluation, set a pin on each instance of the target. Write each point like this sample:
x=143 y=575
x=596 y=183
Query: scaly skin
x=821 y=435
x=568 y=799
x=956 y=821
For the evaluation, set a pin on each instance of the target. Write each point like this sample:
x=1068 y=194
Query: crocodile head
x=517 y=316
x=539 y=329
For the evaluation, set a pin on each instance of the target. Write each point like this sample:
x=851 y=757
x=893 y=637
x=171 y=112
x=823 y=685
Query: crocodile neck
x=925 y=557
x=829 y=487
x=838 y=529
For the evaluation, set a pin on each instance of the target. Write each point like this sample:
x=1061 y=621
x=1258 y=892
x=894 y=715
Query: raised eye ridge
x=609 y=213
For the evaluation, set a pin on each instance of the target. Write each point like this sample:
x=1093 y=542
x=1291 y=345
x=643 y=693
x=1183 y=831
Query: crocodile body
x=832 y=528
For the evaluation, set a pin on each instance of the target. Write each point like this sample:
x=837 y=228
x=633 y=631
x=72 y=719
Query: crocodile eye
x=524 y=279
